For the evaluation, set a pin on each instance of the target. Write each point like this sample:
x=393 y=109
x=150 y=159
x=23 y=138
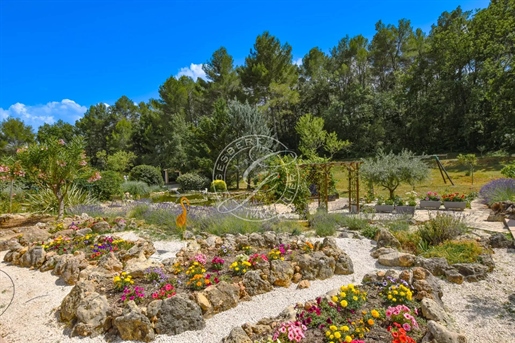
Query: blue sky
x=58 y=57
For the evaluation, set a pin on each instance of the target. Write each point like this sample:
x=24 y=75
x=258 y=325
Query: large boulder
x=141 y=250
x=281 y=273
x=68 y=309
x=255 y=284
x=500 y=241
x=101 y=227
x=33 y=234
x=426 y=285
x=110 y=263
x=222 y=296
x=69 y=267
x=177 y=314
x=133 y=325
x=433 y=311
x=384 y=238
x=436 y=265
x=92 y=318
x=34 y=257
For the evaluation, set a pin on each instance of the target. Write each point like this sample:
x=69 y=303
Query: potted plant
x=384 y=206
x=454 y=201
x=432 y=201
x=404 y=206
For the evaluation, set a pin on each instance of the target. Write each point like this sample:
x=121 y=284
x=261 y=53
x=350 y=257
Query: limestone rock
x=237 y=335
x=71 y=301
x=499 y=241
x=101 y=227
x=452 y=275
x=222 y=296
x=110 y=263
x=397 y=259
x=178 y=314
x=34 y=235
x=385 y=239
x=281 y=273
x=472 y=271
x=137 y=267
x=382 y=251
x=427 y=285
x=91 y=315
x=205 y=305
x=303 y=284
x=436 y=265
x=433 y=311
x=440 y=334
x=68 y=267
x=142 y=250
x=254 y=284
x=134 y=325
x=34 y=257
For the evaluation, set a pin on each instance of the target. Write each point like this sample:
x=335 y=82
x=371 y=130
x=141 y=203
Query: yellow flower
x=124 y=273
x=344 y=328
x=333 y=328
x=334 y=298
x=342 y=294
x=375 y=313
x=355 y=298
x=343 y=303
x=337 y=334
x=328 y=333
x=116 y=279
x=236 y=268
x=395 y=292
x=389 y=297
x=348 y=339
x=394 y=299
x=402 y=294
x=370 y=321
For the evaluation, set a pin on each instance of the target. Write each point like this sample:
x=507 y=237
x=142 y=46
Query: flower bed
x=384 y=309
x=209 y=276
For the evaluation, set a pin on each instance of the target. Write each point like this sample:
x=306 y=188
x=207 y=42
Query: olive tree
x=54 y=165
x=390 y=170
x=469 y=160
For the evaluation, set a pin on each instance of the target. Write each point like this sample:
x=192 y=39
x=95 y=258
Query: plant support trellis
x=321 y=183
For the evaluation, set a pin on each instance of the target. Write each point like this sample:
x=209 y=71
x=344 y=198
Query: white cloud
x=37 y=115
x=194 y=71
x=298 y=62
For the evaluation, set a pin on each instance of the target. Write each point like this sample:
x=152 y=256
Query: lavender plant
x=498 y=190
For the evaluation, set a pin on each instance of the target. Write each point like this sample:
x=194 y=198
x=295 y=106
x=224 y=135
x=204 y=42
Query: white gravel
x=31 y=316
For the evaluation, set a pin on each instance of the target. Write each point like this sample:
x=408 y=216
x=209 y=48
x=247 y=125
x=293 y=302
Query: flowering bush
x=454 y=197
x=240 y=265
x=432 y=196
x=339 y=334
x=255 y=259
x=166 y=291
x=61 y=245
x=397 y=292
x=401 y=314
x=350 y=297
x=223 y=251
x=498 y=190
x=217 y=263
x=200 y=281
x=177 y=268
x=156 y=275
x=307 y=247
x=129 y=293
x=399 y=334
x=123 y=280
x=200 y=258
x=195 y=268
x=246 y=249
x=291 y=331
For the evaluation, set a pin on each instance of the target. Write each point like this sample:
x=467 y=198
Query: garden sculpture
x=181 y=218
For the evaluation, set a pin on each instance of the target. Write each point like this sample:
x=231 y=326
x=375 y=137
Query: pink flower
x=406 y=326
x=168 y=287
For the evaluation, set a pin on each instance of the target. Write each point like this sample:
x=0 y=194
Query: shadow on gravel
x=482 y=307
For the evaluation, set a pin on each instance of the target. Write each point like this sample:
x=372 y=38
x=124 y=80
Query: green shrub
x=148 y=174
x=106 y=188
x=509 y=170
x=218 y=186
x=397 y=225
x=441 y=228
x=370 y=231
x=410 y=241
x=456 y=251
x=192 y=182
x=325 y=224
x=135 y=188
x=354 y=223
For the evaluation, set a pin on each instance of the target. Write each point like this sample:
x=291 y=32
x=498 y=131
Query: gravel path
x=476 y=306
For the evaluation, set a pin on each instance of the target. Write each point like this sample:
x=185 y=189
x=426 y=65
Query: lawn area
x=487 y=169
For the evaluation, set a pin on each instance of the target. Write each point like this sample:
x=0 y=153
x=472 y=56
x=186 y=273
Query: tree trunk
x=11 y=196
x=60 y=200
